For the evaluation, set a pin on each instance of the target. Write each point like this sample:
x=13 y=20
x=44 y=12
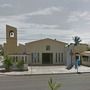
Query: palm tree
x=77 y=41
x=53 y=85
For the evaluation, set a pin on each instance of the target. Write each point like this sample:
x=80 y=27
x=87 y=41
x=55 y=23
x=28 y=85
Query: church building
x=41 y=52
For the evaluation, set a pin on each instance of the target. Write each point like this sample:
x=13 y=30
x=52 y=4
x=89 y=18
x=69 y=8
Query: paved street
x=40 y=82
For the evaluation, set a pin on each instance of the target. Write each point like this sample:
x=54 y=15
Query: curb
x=43 y=74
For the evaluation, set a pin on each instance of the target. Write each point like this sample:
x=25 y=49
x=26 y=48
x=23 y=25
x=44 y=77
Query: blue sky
x=39 y=19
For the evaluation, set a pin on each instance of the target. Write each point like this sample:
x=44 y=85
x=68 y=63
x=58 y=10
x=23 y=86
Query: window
x=22 y=58
x=35 y=57
x=38 y=57
x=61 y=57
x=85 y=58
x=16 y=58
x=89 y=58
x=25 y=59
x=35 y=60
x=13 y=58
x=11 y=34
x=32 y=57
x=48 y=47
x=56 y=57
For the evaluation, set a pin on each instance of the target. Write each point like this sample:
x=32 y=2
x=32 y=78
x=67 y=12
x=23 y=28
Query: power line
x=34 y=38
x=3 y=38
x=22 y=39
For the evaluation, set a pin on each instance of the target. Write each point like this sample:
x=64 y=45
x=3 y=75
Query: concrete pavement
x=34 y=70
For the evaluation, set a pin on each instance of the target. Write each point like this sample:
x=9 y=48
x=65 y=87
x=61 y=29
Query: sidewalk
x=34 y=70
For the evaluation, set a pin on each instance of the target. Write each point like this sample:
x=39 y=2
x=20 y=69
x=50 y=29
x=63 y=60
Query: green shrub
x=7 y=63
x=20 y=65
x=53 y=85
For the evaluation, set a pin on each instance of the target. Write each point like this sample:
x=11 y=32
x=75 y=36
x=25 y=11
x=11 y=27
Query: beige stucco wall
x=80 y=48
x=40 y=47
x=21 y=49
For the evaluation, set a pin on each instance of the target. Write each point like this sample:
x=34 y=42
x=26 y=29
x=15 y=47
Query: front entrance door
x=47 y=58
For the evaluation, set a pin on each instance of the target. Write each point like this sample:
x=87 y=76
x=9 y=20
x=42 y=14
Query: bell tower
x=11 y=40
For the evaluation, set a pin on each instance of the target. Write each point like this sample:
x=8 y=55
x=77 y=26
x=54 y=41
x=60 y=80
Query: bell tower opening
x=11 y=34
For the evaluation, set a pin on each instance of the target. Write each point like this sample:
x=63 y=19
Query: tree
x=7 y=63
x=76 y=40
x=53 y=85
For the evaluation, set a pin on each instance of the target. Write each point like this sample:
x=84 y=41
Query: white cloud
x=85 y=0
x=22 y=17
x=72 y=19
x=84 y=14
x=43 y=26
x=6 y=5
x=46 y=11
x=78 y=16
x=16 y=20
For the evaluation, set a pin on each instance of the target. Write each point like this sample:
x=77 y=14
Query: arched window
x=11 y=34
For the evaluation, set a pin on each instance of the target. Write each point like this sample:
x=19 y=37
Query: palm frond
x=76 y=40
